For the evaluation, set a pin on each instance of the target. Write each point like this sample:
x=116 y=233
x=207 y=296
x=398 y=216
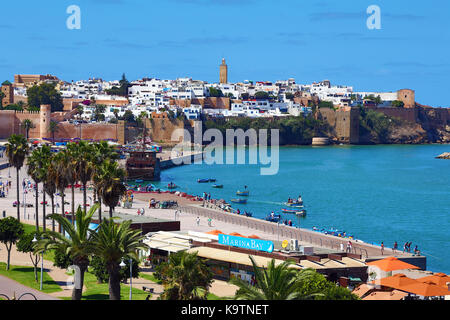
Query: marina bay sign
x=246 y=243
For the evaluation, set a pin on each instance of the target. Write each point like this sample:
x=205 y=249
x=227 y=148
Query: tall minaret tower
x=223 y=72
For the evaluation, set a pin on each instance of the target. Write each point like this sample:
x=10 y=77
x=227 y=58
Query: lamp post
x=42 y=264
x=122 y=264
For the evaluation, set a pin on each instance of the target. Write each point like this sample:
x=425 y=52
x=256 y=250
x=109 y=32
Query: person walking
x=382 y=248
x=198 y=221
x=349 y=246
x=394 y=248
x=209 y=221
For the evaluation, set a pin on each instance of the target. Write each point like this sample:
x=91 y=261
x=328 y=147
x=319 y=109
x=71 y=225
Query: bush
x=101 y=273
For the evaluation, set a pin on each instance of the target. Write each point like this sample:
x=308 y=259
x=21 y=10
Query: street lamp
x=122 y=264
x=42 y=263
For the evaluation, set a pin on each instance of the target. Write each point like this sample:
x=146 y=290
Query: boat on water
x=242 y=201
x=218 y=186
x=243 y=193
x=202 y=180
x=294 y=204
x=212 y=180
x=273 y=218
x=297 y=212
x=138 y=180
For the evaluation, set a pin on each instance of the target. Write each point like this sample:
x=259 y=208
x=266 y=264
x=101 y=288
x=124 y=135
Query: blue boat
x=203 y=180
x=242 y=201
x=243 y=193
x=274 y=218
x=218 y=186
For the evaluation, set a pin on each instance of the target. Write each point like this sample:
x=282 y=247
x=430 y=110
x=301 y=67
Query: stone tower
x=45 y=121
x=8 y=91
x=223 y=72
x=407 y=96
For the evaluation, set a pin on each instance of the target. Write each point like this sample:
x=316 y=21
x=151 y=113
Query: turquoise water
x=376 y=193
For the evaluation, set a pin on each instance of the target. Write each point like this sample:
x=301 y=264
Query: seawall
x=179 y=161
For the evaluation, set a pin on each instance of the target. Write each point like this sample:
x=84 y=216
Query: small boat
x=138 y=180
x=212 y=180
x=294 y=204
x=242 y=201
x=172 y=186
x=202 y=180
x=297 y=212
x=218 y=186
x=273 y=218
x=243 y=193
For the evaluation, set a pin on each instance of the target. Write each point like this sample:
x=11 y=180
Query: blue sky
x=261 y=40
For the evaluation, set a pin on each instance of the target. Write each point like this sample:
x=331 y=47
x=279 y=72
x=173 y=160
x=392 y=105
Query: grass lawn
x=150 y=277
x=25 y=276
x=100 y=291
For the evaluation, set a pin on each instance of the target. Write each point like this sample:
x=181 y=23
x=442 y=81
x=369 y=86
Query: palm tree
x=277 y=282
x=185 y=277
x=78 y=245
x=36 y=169
x=102 y=151
x=110 y=181
x=73 y=153
x=60 y=164
x=27 y=124
x=16 y=150
x=53 y=128
x=113 y=242
x=85 y=166
x=50 y=185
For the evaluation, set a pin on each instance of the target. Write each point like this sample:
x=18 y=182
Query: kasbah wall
x=161 y=129
x=10 y=123
x=344 y=123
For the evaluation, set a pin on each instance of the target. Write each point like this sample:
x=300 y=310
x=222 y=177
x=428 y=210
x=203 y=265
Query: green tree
x=60 y=163
x=101 y=152
x=37 y=170
x=53 y=128
x=99 y=112
x=27 y=124
x=398 y=104
x=110 y=177
x=213 y=92
x=10 y=231
x=85 y=166
x=262 y=95
x=326 y=104
x=113 y=242
x=185 y=277
x=16 y=150
x=101 y=272
x=2 y=96
x=128 y=116
x=319 y=288
x=45 y=93
x=277 y=282
x=26 y=245
x=73 y=154
x=50 y=185
x=78 y=245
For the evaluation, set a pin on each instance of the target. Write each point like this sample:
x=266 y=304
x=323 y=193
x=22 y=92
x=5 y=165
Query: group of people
x=4 y=188
x=407 y=247
x=206 y=196
x=299 y=200
x=140 y=212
